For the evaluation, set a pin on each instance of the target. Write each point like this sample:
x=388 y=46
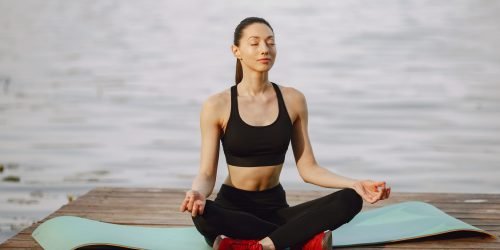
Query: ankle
x=267 y=244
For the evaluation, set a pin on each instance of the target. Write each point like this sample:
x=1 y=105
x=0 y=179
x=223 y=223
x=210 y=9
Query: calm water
x=108 y=93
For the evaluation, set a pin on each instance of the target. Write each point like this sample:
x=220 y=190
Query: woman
x=255 y=120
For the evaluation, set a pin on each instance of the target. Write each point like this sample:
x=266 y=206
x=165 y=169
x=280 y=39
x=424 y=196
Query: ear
x=235 y=50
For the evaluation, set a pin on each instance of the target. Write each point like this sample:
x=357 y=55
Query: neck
x=254 y=83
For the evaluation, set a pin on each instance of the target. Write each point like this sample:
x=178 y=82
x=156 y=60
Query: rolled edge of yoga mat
x=400 y=222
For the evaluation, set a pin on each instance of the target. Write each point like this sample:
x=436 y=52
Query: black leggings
x=244 y=214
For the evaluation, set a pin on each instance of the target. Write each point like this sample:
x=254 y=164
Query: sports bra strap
x=281 y=102
x=234 y=101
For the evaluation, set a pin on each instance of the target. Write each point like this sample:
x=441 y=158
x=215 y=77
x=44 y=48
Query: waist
x=271 y=198
x=254 y=178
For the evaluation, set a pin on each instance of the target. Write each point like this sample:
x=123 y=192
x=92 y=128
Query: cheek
x=247 y=52
x=273 y=50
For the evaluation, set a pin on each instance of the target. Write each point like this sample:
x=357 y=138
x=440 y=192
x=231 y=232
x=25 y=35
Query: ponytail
x=239 y=72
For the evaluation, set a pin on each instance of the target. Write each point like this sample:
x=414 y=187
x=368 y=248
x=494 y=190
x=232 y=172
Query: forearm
x=323 y=177
x=203 y=184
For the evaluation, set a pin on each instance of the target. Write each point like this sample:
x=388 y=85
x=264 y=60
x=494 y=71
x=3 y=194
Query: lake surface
x=108 y=93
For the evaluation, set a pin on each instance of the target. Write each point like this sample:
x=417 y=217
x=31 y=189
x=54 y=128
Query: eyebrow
x=259 y=37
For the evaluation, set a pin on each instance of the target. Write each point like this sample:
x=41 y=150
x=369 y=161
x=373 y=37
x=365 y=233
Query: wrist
x=353 y=183
x=199 y=192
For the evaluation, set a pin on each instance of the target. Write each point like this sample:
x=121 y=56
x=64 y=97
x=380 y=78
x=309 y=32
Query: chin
x=266 y=67
x=264 y=70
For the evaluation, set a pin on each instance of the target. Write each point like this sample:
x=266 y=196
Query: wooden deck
x=159 y=207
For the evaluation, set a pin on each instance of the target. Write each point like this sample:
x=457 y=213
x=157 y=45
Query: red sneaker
x=321 y=241
x=226 y=243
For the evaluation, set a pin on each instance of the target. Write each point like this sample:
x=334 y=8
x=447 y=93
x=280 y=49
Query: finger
x=379 y=195
x=202 y=208
x=384 y=196
x=373 y=193
x=370 y=197
x=369 y=193
x=183 y=205
x=190 y=203
x=195 y=209
x=367 y=198
x=373 y=200
x=384 y=193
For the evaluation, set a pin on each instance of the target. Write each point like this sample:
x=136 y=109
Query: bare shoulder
x=293 y=97
x=216 y=104
x=291 y=93
x=217 y=100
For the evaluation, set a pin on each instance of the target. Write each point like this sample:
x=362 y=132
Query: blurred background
x=108 y=93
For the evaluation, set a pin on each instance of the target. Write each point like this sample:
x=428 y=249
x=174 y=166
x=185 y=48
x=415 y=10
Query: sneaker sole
x=327 y=241
x=217 y=242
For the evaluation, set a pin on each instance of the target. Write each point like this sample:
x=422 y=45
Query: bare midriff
x=253 y=178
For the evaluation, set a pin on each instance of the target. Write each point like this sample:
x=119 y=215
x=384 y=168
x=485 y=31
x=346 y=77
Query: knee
x=201 y=220
x=205 y=224
x=352 y=199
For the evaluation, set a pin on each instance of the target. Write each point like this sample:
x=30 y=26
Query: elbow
x=304 y=177
x=308 y=174
x=308 y=180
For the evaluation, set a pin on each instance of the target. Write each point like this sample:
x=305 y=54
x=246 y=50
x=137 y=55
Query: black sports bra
x=246 y=145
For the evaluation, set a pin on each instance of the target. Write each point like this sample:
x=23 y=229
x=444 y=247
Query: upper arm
x=302 y=149
x=210 y=135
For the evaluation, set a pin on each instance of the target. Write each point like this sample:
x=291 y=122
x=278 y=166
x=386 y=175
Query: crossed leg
x=290 y=226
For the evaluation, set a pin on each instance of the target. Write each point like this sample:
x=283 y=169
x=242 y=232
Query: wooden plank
x=126 y=205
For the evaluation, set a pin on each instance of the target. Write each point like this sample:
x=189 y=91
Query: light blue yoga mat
x=396 y=222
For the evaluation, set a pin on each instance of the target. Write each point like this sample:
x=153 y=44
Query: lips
x=264 y=59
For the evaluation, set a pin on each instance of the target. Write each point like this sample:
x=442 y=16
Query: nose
x=264 y=49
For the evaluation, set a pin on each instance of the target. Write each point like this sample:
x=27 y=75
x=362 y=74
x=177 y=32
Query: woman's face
x=256 y=43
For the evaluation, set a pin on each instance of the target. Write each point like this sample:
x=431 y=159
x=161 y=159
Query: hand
x=368 y=190
x=194 y=203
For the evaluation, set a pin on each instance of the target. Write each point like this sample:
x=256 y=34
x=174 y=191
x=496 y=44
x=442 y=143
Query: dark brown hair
x=238 y=33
